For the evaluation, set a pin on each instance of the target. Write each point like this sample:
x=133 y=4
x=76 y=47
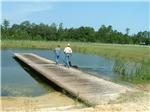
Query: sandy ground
x=51 y=100
x=125 y=107
x=138 y=101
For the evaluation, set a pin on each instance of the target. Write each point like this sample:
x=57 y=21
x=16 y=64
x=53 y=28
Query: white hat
x=68 y=44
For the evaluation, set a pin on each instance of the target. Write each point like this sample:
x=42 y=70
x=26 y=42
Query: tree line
x=105 y=34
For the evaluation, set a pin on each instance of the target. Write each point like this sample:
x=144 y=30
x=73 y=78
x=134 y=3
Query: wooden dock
x=90 y=89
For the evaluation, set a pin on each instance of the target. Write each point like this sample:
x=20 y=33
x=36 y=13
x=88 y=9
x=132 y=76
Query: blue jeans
x=57 y=59
x=67 y=59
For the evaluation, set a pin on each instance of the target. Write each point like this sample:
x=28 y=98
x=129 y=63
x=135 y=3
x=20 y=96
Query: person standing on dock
x=68 y=54
x=57 y=52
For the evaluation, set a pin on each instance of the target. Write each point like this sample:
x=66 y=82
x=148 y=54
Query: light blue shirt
x=57 y=51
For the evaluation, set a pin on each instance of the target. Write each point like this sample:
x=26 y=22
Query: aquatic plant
x=132 y=71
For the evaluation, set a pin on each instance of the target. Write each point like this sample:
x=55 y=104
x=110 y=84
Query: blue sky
x=134 y=15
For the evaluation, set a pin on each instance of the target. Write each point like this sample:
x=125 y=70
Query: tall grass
x=134 y=57
x=132 y=71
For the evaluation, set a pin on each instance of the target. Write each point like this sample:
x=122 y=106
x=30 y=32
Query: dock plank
x=90 y=89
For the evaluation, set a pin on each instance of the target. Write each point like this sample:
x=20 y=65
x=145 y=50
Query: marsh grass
x=136 y=56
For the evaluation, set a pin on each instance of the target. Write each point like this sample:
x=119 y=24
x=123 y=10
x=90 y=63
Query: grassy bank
x=132 y=61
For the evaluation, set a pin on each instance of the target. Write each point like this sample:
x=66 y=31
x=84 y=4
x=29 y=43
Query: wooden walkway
x=88 y=88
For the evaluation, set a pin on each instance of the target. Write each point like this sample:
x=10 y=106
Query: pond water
x=16 y=81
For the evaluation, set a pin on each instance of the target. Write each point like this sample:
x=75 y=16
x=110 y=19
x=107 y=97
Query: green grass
x=123 y=54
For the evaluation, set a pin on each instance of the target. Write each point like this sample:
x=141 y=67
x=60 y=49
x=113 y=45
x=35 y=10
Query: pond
x=19 y=81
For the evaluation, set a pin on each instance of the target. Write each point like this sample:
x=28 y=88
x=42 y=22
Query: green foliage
x=105 y=34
